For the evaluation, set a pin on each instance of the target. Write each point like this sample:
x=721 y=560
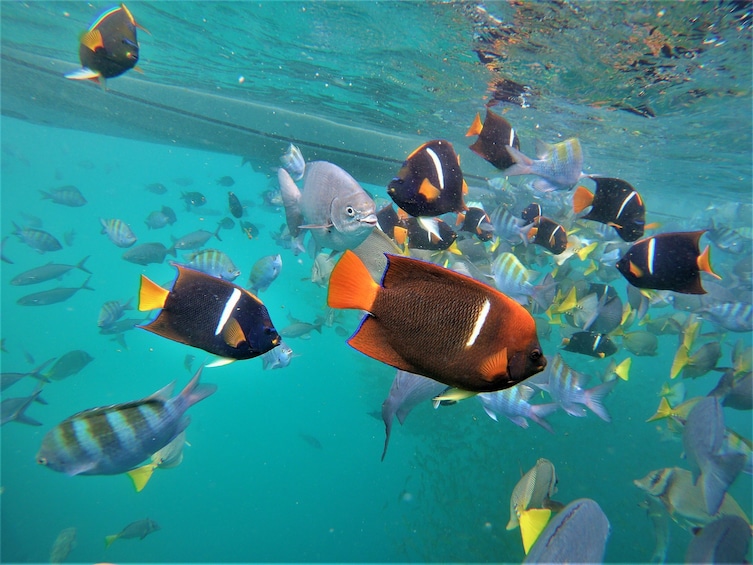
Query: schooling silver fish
x=332 y=206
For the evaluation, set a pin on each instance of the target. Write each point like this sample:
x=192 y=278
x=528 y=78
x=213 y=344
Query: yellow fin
x=92 y=40
x=454 y=394
x=454 y=248
x=401 y=234
x=664 y=411
x=584 y=252
x=592 y=267
x=110 y=539
x=232 y=333
x=704 y=262
x=570 y=302
x=532 y=523
x=428 y=191
x=141 y=475
x=679 y=362
x=151 y=295
x=623 y=369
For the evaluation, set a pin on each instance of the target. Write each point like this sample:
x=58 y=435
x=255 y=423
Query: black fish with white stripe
x=209 y=313
x=614 y=203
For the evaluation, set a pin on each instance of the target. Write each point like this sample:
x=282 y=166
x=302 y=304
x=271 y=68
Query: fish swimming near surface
x=53 y=296
x=615 y=203
x=668 y=261
x=430 y=182
x=494 y=135
x=47 y=272
x=332 y=206
x=109 y=47
x=233 y=324
x=139 y=529
x=65 y=195
x=483 y=341
x=118 y=232
x=559 y=165
x=111 y=440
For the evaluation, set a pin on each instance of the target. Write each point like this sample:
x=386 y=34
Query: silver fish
x=47 y=272
x=533 y=490
x=52 y=296
x=278 y=357
x=139 y=529
x=14 y=409
x=333 y=206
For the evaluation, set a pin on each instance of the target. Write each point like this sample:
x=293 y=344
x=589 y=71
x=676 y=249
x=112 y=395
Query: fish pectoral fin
x=151 y=295
x=635 y=270
x=232 y=333
x=429 y=191
x=92 y=40
x=370 y=339
x=83 y=73
x=532 y=523
x=141 y=475
x=494 y=365
x=316 y=226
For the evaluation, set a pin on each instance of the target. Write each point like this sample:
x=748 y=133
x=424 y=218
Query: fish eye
x=350 y=211
x=41 y=460
x=535 y=355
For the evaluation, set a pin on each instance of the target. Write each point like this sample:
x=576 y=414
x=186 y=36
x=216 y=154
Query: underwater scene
x=376 y=282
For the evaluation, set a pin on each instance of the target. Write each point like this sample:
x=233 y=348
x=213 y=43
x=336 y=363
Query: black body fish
x=494 y=135
x=194 y=199
x=430 y=182
x=477 y=222
x=209 y=313
x=548 y=234
x=236 y=208
x=590 y=343
x=668 y=261
x=418 y=233
x=531 y=212
x=109 y=47
x=614 y=203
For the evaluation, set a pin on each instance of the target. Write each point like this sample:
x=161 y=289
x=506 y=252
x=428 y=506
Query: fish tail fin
x=476 y=126
x=595 y=396
x=664 y=411
x=721 y=473
x=86 y=286
x=623 y=369
x=532 y=523
x=195 y=392
x=351 y=285
x=680 y=361
x=151 y=295
x=582 y=199
x=80 y=265
x=541 y=411
x=110 y=539
x=141 y=475
x=704 y=262
x=522 y=164
x=46 y=195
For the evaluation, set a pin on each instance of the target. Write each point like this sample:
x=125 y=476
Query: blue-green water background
x=252 y=487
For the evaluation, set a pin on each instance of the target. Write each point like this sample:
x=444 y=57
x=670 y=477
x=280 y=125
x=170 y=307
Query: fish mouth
x=370 y=220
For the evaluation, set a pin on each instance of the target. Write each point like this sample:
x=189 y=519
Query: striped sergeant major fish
x=559 y=166
x=114 y=439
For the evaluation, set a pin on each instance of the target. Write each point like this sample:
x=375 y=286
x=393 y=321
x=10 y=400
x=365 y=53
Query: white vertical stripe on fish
x=597 y=341
x=229 y=305
x=650 y=254
x=624 y=203
x=512 y=137
x=437 y=166
x=480 y=319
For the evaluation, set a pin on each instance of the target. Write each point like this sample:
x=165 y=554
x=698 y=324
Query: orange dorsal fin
x=400 y=235
x=428 y=190
x=476 y=126
x=232 y=333
x=92 y=40
x=582 y=199
x=495 y=365
x=465 y=186
x=151 y=295
x=351 y=285
x=704 y=262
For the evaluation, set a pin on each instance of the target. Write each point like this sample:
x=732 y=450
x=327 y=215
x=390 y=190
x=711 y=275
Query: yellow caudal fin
x=623 y=369
x=680 y=361
x=704 y=262
x=532 y=523
x=151 y=295
x=109 y=540
x=476 y=127
x=351 y=285
x=664 y=411
x=584 y=252
x=570 y=302
x=141 y=475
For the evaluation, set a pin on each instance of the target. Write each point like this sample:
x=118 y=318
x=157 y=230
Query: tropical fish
x=322 y=268
x=590 y=343
x=47 y=272
x=14 y=409
x=614 y=203
x=8 y=379
x=482 y=342
x=193 y=240
x=494 y=135
x=234 y=204
x=213 y=262
x=234 y=324
x=278 y=357
x=332 y=206
x=577 y=534
x=433 y=234
x=735 y=392
x=193 y=199
x=68 y=365
x=731 y=316
x=114 y=439
x=168 y=457
x=559 y=165
x=297 y=328
x=507 y=226
x=725 y=540
x=548 y=234
x=118 y=232
x=147 y=253
x=668 y=261
x=37 y=239
x=249 y=229
x=293 y=162
x=640 y=343
x=264 y=272
x=697 y=364
x=660 y=522
x=728 y=239
x=156 y=188
x=64 y=543
x=476 y=221
x=430 y=181
x=65 y=195
x=512 y=278
x=533 y=490
x=109 y=47
x=513 y=404
x=112 y=311
x=53 y=296
x=139 y=529
x=156 y=220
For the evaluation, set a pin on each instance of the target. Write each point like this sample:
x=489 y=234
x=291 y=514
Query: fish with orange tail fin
x=614 y=203
x=668 y=261
x=434 y=322
x=494 y=135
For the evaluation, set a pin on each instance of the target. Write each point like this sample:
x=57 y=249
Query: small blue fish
x=215 y=263
x=264 y=272
x=277 y=358
x=559 y=165
x=118 y=232
x=114 y=439
x=513 y=404
x=512 y=278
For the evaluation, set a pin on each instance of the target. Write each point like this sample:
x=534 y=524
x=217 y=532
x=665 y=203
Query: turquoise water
x=284 y=465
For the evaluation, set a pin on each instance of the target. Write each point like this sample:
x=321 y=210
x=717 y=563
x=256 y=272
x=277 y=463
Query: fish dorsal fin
x=371 y=340
x=582 y=199
x=476 y=126
x=429 y=191
x=532 y=523
x=92 y=40
x=494 y=365
x=351 y=285
x=704 y=263
x=151 y=295
x=141 y=475
x=543 y=149
x=163 y=394
x=232 y=333
x=526 y=392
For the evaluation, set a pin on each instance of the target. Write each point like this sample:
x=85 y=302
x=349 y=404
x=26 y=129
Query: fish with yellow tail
x=559 y=166
x=534 y=490
x=483 y=341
